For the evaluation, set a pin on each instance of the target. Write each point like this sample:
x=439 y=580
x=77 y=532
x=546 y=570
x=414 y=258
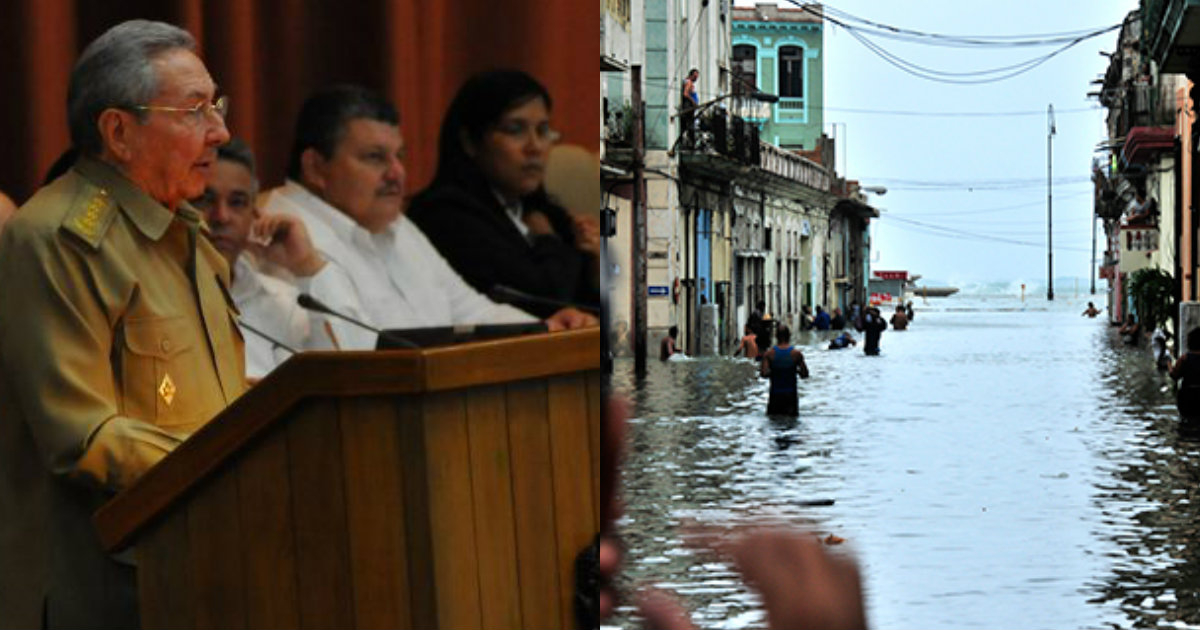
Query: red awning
x=1143 y=143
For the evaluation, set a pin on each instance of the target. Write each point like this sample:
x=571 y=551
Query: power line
x=1039 y=203
x=978 y=41
x=976 y=76
x=941 y=76
x=672 y=85
x=937 y=230
x=972 y=185
x=884 y=112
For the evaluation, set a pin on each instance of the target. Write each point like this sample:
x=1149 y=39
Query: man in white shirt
x=267 y=304
x=346 y=182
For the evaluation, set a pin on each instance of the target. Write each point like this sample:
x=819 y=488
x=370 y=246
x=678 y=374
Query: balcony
x=1172 y=33
x=751 y=109
x=1112 y=192
x=792 y=110
x=1143 y=144
x=720 y=133
x=728 y=148
x=789 y=166
x=618 y=134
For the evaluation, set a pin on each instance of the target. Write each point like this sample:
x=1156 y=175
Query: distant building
x=778 y=50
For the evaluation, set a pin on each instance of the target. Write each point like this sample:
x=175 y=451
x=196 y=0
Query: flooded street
x=999 y=465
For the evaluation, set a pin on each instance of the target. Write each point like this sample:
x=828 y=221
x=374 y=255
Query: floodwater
x=1001 y=464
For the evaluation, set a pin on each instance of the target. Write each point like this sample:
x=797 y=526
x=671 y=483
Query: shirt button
x=165 y=344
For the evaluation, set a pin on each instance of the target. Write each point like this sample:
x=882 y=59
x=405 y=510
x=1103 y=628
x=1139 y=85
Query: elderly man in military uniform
x=117 y=339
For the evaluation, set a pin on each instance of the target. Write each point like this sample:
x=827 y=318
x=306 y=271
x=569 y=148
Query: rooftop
x=764 y=12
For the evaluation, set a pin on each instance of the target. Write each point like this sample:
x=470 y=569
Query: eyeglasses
x=197 y=114
x=519 y=130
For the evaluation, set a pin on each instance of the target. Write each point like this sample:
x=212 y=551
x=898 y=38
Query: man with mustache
x=346 y=182
x=116 y=338
x=269 y=312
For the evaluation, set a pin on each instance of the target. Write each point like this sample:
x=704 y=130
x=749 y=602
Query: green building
x=778 y=51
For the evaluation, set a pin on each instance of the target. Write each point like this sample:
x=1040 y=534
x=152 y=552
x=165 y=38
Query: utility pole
x=1093 y=254
x=1050 y=204
x=639 y=227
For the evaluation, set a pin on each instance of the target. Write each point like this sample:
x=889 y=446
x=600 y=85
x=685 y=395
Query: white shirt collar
x=514 y=211
x=346 y=228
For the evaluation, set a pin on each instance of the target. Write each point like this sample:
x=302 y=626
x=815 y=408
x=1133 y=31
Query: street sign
x=658 y=291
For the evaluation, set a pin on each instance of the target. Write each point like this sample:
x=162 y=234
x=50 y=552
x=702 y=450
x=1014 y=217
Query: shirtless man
x=749 y=345
x=667 y=347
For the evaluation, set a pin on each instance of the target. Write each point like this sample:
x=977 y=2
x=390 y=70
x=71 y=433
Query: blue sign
x=658 y=291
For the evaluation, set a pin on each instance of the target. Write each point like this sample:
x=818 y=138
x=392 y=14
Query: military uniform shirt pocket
x=158 y=371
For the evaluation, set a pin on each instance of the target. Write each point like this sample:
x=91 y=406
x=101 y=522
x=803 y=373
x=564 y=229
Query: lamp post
x=1093 y=254
x=639 y=243
x=864 y=282
x=1049 y=203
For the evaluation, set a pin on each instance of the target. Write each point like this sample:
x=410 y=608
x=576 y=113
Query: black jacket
x=476 y=236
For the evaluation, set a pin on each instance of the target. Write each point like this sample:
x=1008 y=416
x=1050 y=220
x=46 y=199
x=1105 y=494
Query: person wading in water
x=781 y=364
x=1187 y=369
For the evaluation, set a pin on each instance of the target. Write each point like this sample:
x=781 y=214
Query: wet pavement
x=1001 y=464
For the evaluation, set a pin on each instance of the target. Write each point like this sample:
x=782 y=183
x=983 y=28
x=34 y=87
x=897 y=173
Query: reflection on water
x=1000 y=465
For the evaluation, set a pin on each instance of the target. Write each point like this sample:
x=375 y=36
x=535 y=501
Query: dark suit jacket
x=480 y=241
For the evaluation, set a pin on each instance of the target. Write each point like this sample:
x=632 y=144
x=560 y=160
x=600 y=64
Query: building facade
x=731 y=217
x=1148 y=152
x=778 y=50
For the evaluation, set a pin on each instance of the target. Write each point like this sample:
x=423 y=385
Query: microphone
x=311 y=303
x=275 y=343
x=507 y=295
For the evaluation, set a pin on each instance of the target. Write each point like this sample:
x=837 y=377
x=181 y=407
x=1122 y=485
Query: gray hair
x=116 y=70
x=237 y=151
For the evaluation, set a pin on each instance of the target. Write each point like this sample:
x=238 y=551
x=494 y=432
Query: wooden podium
x=446 y=487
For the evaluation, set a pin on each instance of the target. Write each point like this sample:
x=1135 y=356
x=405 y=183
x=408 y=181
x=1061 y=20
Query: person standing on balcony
x=691 y=101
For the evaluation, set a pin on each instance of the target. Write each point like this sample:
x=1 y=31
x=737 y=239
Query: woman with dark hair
x=487 y=210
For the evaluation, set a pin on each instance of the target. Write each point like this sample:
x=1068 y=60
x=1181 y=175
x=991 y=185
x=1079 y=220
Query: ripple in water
x=995 y=467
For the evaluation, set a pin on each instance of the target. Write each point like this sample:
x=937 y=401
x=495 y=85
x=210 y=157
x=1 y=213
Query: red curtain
x=268 y=55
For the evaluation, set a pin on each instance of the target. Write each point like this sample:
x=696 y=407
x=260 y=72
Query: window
x=745 y=69
x=791 y=71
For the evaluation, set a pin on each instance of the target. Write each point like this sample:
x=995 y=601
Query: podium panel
x=420 y=502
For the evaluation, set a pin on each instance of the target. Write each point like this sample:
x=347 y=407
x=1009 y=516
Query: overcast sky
x=990 y=171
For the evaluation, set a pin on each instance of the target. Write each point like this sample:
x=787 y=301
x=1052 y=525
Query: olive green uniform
x=117 y=340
